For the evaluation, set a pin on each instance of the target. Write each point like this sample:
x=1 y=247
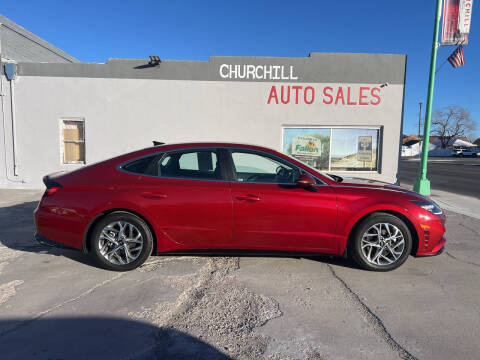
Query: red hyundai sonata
x=187 y=198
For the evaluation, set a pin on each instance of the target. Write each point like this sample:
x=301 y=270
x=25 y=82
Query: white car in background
x=465 y=152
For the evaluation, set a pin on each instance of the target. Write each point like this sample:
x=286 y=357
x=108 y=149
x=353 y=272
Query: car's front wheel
x=381 y=242
x=121 y=241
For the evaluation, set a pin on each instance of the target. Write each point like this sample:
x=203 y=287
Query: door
x=188 y=198
x=271 y=212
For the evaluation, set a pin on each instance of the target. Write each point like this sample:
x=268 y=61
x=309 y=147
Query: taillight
x=52 y=190
x=52 y=186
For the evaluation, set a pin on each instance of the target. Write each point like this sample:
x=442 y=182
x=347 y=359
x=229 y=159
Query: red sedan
x=180 y=198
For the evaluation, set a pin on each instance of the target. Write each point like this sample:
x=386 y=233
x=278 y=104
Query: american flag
x=457 y=58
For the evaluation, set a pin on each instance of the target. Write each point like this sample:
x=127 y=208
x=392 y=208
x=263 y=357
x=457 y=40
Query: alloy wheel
x=382 y=244
x=120 y=242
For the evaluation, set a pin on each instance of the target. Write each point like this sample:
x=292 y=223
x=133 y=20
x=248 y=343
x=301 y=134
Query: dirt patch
x=8 y=290
x=216 y=309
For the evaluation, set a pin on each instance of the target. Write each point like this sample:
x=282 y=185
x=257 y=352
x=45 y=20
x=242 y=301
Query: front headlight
x=429 y=206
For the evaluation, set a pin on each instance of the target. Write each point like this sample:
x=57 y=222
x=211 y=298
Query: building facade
x=338 y=112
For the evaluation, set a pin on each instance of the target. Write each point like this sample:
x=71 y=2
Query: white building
x=339 y=112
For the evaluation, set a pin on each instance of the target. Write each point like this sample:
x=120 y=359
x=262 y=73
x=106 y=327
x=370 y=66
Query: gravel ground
x=55 y=304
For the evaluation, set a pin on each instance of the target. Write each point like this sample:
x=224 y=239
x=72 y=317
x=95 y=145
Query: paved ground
x=455 y=175
x=54 y=304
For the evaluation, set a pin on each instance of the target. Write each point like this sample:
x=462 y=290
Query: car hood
x=372 y=184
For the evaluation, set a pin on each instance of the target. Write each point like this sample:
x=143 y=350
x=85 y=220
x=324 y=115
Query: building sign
x=257 y=72
x=306 y=146
x=364 y=152
x=457 y=15
x=349 y=95
x=308 y=94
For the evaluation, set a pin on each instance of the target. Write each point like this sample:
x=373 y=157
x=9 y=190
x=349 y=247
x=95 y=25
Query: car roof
x=208 y=143
x=173 y=146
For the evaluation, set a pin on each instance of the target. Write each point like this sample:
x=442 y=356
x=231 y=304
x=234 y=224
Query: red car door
x=271 y=212
x=187 y=197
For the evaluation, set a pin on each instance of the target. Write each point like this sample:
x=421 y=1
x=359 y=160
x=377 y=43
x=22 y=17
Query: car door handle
x=153 y=195
x=248 y=197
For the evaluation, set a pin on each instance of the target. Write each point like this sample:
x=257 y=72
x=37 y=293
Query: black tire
x=140 y=227
x=355 y=244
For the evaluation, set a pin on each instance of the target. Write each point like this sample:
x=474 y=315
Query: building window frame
x=62 y=122
x=379 y=128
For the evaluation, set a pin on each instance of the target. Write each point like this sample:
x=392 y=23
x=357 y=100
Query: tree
x=451 y=122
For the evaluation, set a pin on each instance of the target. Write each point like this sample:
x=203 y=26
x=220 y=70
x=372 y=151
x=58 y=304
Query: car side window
x=199 y=164
x=259 y=168
x=139 y=166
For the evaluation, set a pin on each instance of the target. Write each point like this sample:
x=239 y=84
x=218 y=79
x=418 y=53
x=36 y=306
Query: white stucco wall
x=127 y=114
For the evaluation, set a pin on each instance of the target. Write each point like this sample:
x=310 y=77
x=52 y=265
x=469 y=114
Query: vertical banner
x=457 y=15
x=465 y=16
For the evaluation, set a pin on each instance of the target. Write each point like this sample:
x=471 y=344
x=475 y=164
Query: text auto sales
x=299 y=94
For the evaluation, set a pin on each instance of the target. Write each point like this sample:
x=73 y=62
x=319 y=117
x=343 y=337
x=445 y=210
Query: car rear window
x=139 y=166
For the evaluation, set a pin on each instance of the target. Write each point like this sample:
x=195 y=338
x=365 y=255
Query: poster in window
x=309 y=145
x=364 y=152
x=306 y=145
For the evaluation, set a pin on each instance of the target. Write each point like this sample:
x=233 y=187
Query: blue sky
x=93 y=31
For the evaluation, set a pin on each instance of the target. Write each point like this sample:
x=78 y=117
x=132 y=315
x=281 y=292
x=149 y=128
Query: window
x=334 y=149
x=201 y=164
x=73 y=141
x=253 y=167
x=140 y=166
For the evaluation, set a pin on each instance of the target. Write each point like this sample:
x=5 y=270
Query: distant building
x=437 y=140
x=411 y=145
x=21 y=45
x=410 y=139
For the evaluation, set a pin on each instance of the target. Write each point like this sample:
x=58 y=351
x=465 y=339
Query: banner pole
x=422 y=184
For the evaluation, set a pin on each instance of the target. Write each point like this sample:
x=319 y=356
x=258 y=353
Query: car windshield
x=328 y=176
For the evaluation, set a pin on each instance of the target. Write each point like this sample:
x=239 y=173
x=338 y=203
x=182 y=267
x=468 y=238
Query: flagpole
x=422 y=184
x=440 y=67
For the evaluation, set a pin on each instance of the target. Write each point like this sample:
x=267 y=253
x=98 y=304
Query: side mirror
x=306 y=181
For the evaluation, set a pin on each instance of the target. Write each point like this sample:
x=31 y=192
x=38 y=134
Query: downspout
x=10 y=72
x=9 y=69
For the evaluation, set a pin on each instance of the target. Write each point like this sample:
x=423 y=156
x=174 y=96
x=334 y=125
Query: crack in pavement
x=476 y=232
x=372 y=320
x=460 y=260
x=53 y=308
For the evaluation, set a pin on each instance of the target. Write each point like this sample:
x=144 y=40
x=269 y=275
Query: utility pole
x=422 y=184
x=419 y=119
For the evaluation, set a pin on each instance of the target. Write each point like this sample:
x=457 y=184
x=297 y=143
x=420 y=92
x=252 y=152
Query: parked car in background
x=197 y=197
x=474 y=152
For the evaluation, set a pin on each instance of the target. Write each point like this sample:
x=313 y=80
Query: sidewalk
x=460 y=204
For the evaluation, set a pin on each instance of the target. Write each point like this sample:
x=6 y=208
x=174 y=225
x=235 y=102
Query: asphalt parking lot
x=55 y=304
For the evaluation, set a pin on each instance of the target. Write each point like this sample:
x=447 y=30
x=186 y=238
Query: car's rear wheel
x=381 y=242
x=121 y=241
